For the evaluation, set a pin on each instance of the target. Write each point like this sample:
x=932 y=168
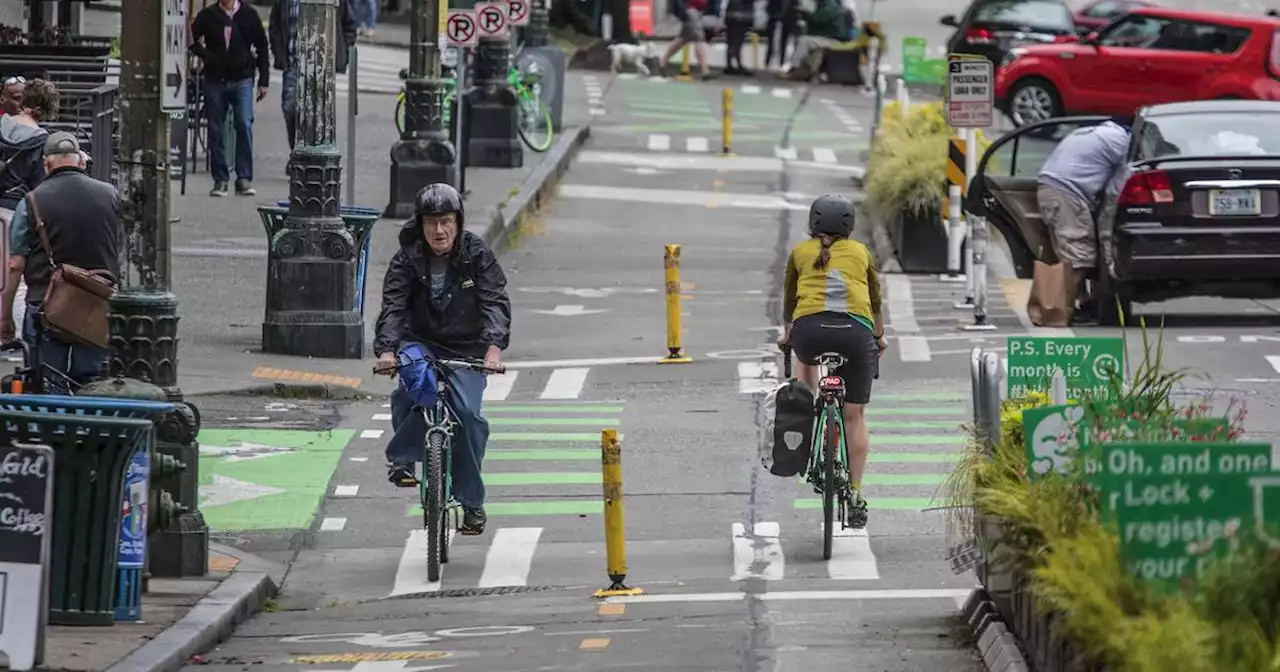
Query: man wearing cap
x=82 y=217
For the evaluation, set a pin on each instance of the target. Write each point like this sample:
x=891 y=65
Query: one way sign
x=173 y=59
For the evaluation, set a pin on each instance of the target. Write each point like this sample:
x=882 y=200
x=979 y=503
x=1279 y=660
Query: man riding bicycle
x=445 y=290
x=832 y=304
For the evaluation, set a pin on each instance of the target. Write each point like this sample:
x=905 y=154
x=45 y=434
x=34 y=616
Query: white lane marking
x=386 y=405
x=510 y=557
x=756 y=377
x=781 y=93
x=912 y=347
x=824 y=155
x=498 y=388
x=659 y=142
x=598 y=361
x=786 y=153
x=346 y=490
x=598 y=111
x=359 y=459
x=684 y=161
x=1274 y=361
x=696 y=144
x=851 y=556
x=333 y=524
x=565 y=383
x=382 y=416
x=750 y=88
x=797 y=595
x=411 y=574
x=371 y=434
x=759 y=556
x=680 y=197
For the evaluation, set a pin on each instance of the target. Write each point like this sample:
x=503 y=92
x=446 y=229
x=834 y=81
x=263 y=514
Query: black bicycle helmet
x=831 y=215
x=439 y=199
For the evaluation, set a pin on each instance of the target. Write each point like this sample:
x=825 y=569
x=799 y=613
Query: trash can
x=91 y=453
x=359 y=221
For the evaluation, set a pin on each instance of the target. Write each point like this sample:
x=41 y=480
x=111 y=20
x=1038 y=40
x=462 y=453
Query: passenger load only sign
x=462 y=28
x=491 y=17
x=970 y=92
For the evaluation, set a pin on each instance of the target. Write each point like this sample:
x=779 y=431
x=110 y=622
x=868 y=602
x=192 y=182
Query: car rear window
x=1033 y=13
x=1210 y=134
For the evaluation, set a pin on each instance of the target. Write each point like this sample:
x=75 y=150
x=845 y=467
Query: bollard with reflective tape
x=615 y=539
x=726 y=122
x=755 y=51
x=978 y=241
x=684 y=62
x=671 y=264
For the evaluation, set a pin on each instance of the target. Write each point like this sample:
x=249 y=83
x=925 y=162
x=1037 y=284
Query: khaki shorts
x=1070 y=222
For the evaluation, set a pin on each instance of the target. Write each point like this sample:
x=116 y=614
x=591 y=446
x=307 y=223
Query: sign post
x=26 y=507
x=1086 y=363
x=173 y=56
x=970 y=92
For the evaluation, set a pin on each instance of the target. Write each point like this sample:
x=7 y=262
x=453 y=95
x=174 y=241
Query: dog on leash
x=633 y=54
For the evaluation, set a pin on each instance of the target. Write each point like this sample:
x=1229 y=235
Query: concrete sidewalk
x=220 y=247
x=180 y=619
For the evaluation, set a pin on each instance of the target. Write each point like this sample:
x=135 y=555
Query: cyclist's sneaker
x=473 y=520
x=858 y=512
x=401 y=474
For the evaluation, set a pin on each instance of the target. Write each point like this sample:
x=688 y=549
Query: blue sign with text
x=133 y=520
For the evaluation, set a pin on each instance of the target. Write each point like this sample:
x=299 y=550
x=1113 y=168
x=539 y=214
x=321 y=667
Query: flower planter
x=920 y=241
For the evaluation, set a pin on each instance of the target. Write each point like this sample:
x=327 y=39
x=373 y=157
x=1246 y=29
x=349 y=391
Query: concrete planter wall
x=919 y=241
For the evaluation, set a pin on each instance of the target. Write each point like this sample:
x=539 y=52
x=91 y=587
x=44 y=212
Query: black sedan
x=990 y=28
x=1198 y=213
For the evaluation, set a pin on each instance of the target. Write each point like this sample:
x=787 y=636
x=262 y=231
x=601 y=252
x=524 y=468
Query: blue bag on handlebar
x=417 y=377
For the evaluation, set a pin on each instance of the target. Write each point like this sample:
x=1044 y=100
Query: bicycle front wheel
x=534 y=118
x=830 y=445
x=433 y=507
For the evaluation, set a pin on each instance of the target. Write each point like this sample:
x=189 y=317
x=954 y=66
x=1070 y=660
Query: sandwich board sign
x=26 y=507
x=492 y=18
x=970 y=91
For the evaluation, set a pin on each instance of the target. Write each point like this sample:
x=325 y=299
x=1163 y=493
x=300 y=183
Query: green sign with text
x=914 y=50
x=1086 y=363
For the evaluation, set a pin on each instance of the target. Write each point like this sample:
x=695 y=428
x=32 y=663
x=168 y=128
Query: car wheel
x=1033 y=100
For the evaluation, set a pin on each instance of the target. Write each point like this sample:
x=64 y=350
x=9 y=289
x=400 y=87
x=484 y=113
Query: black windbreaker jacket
x=473 y=314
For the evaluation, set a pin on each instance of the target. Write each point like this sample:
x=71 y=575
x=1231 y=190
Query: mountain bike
x=533 y=117
x=828 y=471
x=435 y=473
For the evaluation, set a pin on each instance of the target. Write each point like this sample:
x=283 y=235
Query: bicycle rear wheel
x=830 y=444
x=433 y=511
x=535 y=122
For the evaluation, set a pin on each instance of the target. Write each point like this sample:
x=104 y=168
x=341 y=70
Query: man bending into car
x=443 y=290
x=1071 y=185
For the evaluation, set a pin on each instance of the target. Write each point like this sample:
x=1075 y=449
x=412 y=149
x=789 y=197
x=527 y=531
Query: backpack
x=786 y=437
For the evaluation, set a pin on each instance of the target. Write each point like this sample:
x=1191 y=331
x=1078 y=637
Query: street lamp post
x=424 y=153
x=311 y=265
x=144 y=319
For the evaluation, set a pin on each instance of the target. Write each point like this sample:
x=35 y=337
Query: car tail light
x=831 y=383
x=1273 y=63
x=979 y=36
x=1147 y=188
x=1066 y=39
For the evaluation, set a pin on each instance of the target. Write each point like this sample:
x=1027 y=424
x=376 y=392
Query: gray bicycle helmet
x=832 y=215
x=438 y=199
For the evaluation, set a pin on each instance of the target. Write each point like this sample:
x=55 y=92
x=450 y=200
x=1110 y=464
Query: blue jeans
x=366 y=12
x=469 y=439
x=81 y=363
x=237 y=98
x=289 y=103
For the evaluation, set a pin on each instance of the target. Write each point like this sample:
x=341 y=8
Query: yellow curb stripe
x=611 y=610
x=269 y=373
x=594 y=643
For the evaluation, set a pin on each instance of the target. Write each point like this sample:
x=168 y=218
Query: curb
x=535 y=190
x=212 y=619
x=998 y=647
x=287 y=391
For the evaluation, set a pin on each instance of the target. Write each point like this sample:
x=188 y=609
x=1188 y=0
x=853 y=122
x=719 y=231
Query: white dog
x=635 y=54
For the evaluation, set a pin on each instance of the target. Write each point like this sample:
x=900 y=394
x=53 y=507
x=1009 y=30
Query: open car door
x=1004 y=188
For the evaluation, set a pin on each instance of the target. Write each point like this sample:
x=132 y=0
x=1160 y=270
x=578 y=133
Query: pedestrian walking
x=283 y=35
x=738 y=18
x=80 y=218
x=700 y=17
x=366 y=15
x=232 y=44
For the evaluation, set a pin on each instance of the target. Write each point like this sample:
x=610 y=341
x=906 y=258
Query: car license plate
x=1235 y=202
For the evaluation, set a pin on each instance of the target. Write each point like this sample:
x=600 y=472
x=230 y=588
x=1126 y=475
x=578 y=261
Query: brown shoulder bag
x=78 y=302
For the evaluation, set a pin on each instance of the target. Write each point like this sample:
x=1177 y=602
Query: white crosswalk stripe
x=697 y=144
x=379 y=71
x=757 y=377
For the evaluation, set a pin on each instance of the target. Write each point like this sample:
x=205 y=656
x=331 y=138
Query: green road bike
x=828 y=470
x=533 y=117
x=435 y=472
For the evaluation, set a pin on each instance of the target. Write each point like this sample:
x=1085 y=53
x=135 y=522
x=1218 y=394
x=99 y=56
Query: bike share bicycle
x=31 y=377
x=426 y=379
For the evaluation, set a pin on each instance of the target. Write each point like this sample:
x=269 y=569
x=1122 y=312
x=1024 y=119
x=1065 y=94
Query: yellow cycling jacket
x=848 y=284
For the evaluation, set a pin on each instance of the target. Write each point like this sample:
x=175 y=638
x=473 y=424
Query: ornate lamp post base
x=494 y=141
x=424 y=154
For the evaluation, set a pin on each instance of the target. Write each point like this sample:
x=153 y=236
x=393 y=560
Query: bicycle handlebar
x=786 y=361
x=472 y=364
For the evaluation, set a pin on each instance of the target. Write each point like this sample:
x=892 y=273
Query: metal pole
x=726 y=122
x=975 y=384
x=978 y=241
x=459 y=91
x=615 y=534
x=904 y=98
x=671 y=264
x=353 y=87
x=992 y=378
x=955 y=234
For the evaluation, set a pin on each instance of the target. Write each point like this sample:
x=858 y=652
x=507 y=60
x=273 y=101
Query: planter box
x=920 y=241
x=1041 y=636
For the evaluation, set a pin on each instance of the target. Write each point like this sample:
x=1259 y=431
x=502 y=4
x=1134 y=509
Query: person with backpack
x=831 y=303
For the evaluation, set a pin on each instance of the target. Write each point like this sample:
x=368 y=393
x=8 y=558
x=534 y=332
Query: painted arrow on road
x=225 y=490
x=571 y=311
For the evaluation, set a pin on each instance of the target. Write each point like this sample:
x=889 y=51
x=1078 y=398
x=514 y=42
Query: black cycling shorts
x=813 y=335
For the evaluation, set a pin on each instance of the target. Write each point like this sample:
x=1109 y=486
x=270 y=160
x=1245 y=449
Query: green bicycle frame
x=815 y=454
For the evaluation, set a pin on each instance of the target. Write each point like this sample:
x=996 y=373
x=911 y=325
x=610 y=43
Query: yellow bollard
x=684 y=63
x=755 y=49
x=726 y=126
x=671 y=262
x=615 y=534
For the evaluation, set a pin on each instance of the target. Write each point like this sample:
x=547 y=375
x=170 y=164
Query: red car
x=1100 y=13
x=1151 y=56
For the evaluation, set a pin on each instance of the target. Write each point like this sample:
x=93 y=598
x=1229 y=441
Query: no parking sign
x=518 y=12
x=461 y=27
x=491 y=17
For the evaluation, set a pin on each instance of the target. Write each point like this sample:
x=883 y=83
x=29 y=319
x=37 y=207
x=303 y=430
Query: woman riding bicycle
x=832 y=304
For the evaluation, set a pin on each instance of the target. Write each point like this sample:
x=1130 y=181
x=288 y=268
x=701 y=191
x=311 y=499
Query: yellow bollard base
x=727 y=154
x=619 y=592
x=675 y=360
